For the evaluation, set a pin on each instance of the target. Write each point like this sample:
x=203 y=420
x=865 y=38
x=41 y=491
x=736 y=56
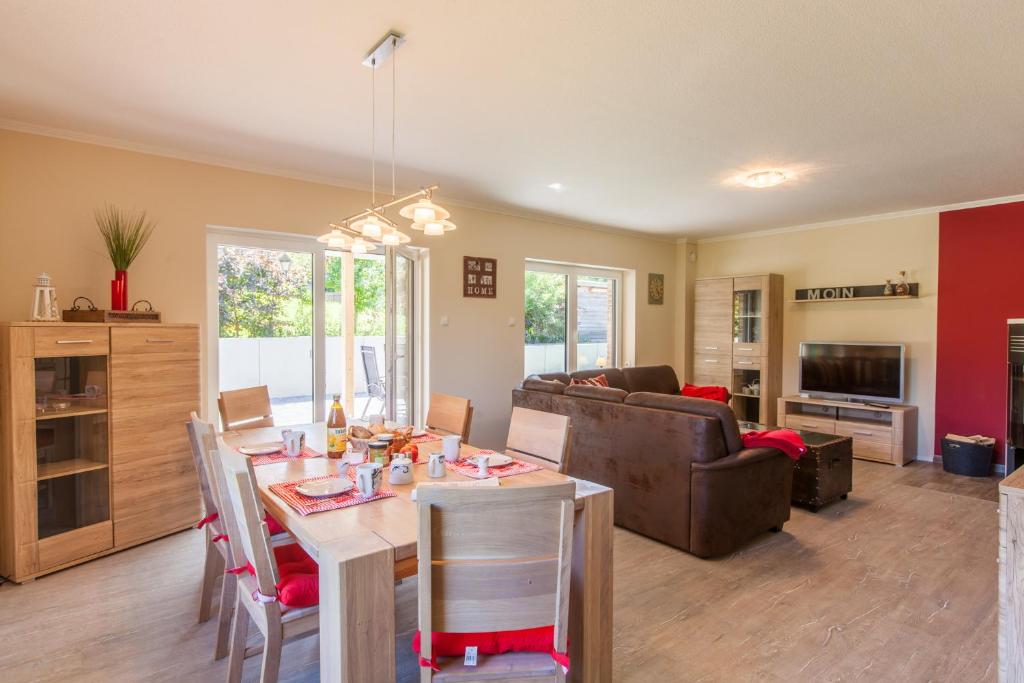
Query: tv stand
x=886 y=434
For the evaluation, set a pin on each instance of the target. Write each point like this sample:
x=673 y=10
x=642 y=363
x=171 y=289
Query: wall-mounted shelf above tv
x=859 y=298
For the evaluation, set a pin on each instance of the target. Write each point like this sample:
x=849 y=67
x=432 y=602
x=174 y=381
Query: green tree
x=261 y=295
x=545 y=308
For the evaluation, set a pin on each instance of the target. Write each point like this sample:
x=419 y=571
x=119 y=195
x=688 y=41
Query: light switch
x=444 y=321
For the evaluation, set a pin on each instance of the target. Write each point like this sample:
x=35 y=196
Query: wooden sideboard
x=737 y=341
x=879 y=434
x=1011 y=577
x=94 y=456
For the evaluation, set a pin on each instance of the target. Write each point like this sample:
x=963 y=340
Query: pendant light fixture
x=361 y=232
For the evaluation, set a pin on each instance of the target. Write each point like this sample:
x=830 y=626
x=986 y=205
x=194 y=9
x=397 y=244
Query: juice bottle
x=337 y=433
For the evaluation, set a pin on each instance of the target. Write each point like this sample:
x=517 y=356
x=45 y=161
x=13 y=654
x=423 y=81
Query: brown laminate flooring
x=898 y=583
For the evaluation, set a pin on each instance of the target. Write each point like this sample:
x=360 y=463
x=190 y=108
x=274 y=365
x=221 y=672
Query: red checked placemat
x=307 y=452
x=424 y=438
x=468 y=468
x=305 y=505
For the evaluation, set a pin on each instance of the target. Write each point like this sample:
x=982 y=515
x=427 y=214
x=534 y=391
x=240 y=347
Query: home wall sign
x=479 y=277
x=847 y=292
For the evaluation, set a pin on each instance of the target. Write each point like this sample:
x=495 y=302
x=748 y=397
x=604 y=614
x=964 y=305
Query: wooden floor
x=898 y=583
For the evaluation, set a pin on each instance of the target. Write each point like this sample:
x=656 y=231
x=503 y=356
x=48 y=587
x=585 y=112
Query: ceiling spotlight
x=557 y=187
x=761 y=179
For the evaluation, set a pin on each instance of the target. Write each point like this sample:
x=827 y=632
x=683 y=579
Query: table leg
x=590 y=596
x=357 y=610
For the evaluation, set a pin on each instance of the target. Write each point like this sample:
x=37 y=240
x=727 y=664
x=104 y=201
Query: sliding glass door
x=310 y=323
x=572 y=318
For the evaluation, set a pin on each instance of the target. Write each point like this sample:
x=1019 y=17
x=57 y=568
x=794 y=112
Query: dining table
x=362 y=550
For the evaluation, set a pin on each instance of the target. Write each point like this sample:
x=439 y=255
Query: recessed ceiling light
x=761 y=179
x=557 y=187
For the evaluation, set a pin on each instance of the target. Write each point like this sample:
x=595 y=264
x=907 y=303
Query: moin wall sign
x=847 y=292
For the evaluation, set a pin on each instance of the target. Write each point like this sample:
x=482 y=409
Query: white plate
x=262 y=449
x=419 y=432
x=325 y=488
x=498 y=460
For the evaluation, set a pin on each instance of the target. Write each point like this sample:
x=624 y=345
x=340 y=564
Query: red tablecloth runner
x=467 y=467
x=307 y=452
x=305 y=505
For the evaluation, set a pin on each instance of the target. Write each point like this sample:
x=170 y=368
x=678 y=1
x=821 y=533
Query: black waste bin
x=969 y=459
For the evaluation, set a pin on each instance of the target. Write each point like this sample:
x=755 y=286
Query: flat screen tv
x=857 y=371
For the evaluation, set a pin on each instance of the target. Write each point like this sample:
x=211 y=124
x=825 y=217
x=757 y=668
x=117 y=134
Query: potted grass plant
x=125 y=233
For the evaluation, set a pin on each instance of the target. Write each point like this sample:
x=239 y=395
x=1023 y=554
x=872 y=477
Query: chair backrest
x=248 y=534
x=451 y=414
x=369 y=355
x=246 y=408
x=494 y=559
x=203 y=438
x=539 y=437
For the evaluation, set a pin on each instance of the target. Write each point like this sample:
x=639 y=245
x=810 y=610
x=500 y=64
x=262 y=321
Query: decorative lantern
x=44 y=303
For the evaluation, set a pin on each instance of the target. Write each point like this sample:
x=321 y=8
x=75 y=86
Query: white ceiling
x=645 y=111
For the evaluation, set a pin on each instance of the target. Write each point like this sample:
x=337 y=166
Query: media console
x=879 y=434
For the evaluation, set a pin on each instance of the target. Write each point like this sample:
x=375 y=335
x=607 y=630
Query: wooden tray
x=98 y=316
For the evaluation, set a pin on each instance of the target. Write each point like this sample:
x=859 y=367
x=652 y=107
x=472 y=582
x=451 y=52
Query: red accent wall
x=981 y=284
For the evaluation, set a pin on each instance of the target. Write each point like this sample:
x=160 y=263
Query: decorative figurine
x=44 y=302
x=902 y=288
x=888 y=288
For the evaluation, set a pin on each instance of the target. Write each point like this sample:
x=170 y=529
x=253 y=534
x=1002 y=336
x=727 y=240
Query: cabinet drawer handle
x=864 y=433
x=159 y=341
x=742 y=348
x=74 y=341
x=808 y=426
x=710 y=360
x=710 y=348
x=744 y=362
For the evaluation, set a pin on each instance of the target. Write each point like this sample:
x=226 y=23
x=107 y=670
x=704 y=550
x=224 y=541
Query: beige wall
x=853 y=254
x=50 y=187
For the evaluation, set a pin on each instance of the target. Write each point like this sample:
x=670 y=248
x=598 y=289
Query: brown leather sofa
x=678 y=467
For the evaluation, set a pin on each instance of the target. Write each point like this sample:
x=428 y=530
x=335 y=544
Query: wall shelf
x=854 y=298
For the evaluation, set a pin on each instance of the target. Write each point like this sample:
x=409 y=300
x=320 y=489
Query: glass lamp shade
x=434 y=228
x=393 y=238
x=371 y=227
x=360 y=246
x=335 y=239
x=423 y=211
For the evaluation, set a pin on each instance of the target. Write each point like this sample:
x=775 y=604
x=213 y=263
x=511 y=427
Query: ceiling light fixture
x=557 y=187
x=762 y=179
x=362 y=231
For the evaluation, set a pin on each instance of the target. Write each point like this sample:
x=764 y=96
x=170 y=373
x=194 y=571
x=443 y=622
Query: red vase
x=119 y=291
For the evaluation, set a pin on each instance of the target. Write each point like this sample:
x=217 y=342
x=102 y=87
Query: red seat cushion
x=274 y=526
x=711 y=393
x=300 y=576
x=540 y=639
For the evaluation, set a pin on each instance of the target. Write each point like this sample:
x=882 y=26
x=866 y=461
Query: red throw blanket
x=786 y=440
x=710 y=393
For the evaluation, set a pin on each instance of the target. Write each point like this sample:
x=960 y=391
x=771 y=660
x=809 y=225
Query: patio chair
x=374 y=382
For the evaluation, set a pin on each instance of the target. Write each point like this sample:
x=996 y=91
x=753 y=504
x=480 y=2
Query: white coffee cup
x=450 y=446
x=368 y=478
x=400 y=471
x=482 y=463
x=293 y=441
x=435 y=465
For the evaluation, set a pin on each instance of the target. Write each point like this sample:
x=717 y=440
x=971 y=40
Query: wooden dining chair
x=544 y=439
x=450 y=414
x=203 y=439
x=495 y=560
x=251 y=543
x=245 y=408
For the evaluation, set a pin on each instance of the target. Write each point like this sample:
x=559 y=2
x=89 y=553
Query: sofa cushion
x=595 y=381
x=548 y=386
x=614 y=376
x=695 y=406
x=658 y=379
x=609 y=394
x=556 y=376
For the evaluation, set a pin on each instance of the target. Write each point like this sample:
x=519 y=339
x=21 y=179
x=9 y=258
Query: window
x=573 y=318
x=309 y=323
